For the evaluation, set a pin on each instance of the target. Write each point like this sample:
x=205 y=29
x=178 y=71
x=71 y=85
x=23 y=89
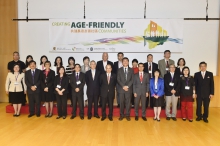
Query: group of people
x=160 y=85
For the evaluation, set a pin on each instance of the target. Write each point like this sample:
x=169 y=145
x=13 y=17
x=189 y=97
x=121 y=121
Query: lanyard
x=16 y=78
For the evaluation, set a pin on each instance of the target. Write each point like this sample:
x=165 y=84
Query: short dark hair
x=172 y=65
x=47 y=62
x=120 y=53
x=14 y=66
x=149 y=55
x=26 y=62
x=44 y=56
x=78 y=65
x=64 y=74
x=71 y=58
x=157 y=70
x=32 y=61
x=178 y=62
x=61 y=61
x=186 y=67
x=140 y=64
x=134 y=60
x=167 y=51
x=125 y=58
x=203 y=62
x=86 y=57
x=16 y=52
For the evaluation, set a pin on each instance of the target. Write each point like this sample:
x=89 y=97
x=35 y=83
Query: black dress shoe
x=144 y=118
x=46 y=116
x=64 y=117
x=50 y=115
x=81 y=118
x=205 y=120
x=31 y=115
x=168 y=118
x=97 y=116
x=158 y=120
x=121 y=118
x=103 y=118
x=190 y=120
x=38 y=115
x=17 y=115
x=89 y=117
x=155 y=118
x=184 y=119
x=72 y=117
x=14 y=115
x=58 y=117
x=174 y=119
x=198 y=118
x=128 y=118
x=136 y=118
x=110 y=118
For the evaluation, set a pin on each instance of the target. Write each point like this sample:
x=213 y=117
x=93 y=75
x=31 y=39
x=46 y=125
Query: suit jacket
x=83 y=69
x=11 y=80
x=64 y=83
x=162 y=66
x=141 y=88
x=29 y=81
x=153 y=68
x=74 y=84
x=122 y=80
x=204 y=87
x=178 y=72
x=100 y=66
x=115 y=67
x=47 y=81
x=108 y=88
x=93 y=86
x=160 y=87
x=168 y=88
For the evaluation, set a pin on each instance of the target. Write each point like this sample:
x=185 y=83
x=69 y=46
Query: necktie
x=126 y=73
x=149 y=69
x=141 y=77
x=108 y=78
x=33 y=76
x=77 y=76
x=167 y=64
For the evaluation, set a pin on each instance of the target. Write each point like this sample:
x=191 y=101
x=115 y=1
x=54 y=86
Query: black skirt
x=16 y=97
x=48 y=96
x=158 y=102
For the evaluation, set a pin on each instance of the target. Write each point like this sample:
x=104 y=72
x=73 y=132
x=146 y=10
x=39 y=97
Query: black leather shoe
x=89 y=117
x=198 y=118
x=17 y=115
x=144 y=118
x=50 y=115
x=58 y=117
x=190 y=120
x=14 y=115
x=72 y=117
x=128 y=119
x=121 y=118
x=31 y=115
x=158 y=120
x=205 y=120
x=110 y=118
x=102 y=119
x=64 y=117
x=46 y=116
x=184 y=119
x=136 y=118
x=174 y=119
x=168 y=118
x=155 y=118
x=97 y=116
x=82 y=118
x=37 y=115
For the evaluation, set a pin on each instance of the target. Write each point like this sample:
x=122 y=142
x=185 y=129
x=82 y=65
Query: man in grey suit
x=140 y=90
x=163 y=64
x=125 y=81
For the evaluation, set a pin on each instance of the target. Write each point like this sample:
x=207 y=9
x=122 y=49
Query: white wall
x=200 y=37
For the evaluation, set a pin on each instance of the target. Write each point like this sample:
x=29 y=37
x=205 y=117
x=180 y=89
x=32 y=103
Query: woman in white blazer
x=13 y=87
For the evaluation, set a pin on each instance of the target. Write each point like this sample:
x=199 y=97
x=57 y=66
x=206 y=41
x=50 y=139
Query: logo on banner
x=54 y=48
x=91 y=49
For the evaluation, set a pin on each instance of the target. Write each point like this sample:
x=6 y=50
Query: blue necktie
x=33 y=76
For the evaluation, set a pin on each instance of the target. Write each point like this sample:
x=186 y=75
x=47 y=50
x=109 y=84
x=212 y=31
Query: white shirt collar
x=108 y=74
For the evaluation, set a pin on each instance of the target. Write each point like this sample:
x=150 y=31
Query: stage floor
x=24 y=131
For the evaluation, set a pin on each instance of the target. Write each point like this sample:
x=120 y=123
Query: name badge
x=15 y=83
x=78 y=82
x=167 y=69
x=58 y=86
x=187 y=87
x=150 y=72
x=171 y=84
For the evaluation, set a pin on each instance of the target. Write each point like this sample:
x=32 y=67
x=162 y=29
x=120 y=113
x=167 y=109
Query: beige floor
x=23 y=131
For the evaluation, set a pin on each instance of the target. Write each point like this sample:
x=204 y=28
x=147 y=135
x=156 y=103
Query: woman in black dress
x=47 y=80
x=61 y=83
x=69 y=70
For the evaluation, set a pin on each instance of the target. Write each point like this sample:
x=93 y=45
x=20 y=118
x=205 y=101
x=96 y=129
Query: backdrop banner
x=116 y=35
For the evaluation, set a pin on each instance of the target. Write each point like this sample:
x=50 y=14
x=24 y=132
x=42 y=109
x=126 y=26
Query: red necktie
x=141 y=78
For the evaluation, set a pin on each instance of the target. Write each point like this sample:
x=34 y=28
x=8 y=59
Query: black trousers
x=107 y=99
x=91 y=99
x=132 y=99
x=205 y=102
x=80 y=99
x=34 y=100
x=61 y=105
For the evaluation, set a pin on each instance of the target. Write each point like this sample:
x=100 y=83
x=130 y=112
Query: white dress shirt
x=104 y=64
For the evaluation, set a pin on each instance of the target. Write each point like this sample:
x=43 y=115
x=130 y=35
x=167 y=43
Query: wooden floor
x=23 y=131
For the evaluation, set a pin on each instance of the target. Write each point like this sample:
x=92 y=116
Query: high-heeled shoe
x=158 y=120
x=47 y=115
x=155 y=119
x=15 y=115
x=58 y=117
x=50 y=115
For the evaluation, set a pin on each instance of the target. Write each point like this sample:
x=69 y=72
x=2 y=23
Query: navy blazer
x=74 y=84
x=160 y=87
x=29 y=81
x=153 y=68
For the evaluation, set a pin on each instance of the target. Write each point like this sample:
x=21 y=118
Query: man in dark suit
x=116 y=66
x=140 y=90
x=150 y=67
x=77 y=82
x=93 y=89
x=101 y=68
x=172 y=88
x=125 y=80
x=107 y=83
x=204 y=84
x=32 y=80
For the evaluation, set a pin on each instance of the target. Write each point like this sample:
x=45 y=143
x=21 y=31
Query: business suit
x=83 y=69
x=93 y=91
x=47 y=82
x=77 y=96
x=140 y=88
x=33 y=96
x=163 y=66
x=107 y=92
x=61 y=99
x=204 y=88
x=171 y=98
x=125 y=96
